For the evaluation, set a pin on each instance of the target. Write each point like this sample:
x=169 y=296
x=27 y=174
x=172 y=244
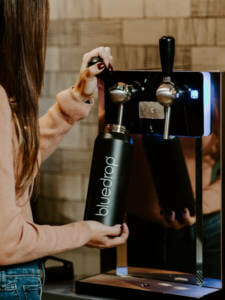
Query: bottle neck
x=115 y=128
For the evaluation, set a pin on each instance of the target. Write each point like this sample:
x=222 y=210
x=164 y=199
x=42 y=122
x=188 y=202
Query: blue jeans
x=22 y=281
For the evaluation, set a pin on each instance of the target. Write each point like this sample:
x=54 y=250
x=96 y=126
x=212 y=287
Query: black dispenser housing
x=191 y=117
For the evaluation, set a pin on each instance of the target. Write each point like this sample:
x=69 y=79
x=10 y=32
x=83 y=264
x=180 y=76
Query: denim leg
x=8 y=287
x=212 y=249
x=21 y=282
x=29 y=287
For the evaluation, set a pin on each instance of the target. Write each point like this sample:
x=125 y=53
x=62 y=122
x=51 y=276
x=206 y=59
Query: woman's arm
x=59 y=119
x=22 y=240
x=70 y=104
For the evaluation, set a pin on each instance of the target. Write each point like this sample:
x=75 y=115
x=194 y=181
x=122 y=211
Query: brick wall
x=132 y=28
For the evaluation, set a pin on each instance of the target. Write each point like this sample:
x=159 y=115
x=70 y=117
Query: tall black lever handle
x=167 y=52
x=166 y=93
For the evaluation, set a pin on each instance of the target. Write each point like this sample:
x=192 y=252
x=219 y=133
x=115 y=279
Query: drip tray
x=143 y=282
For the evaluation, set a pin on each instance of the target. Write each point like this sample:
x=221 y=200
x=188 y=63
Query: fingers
x=118 y=230
x=96 y=69
x=169 y=219
x=188 y=219
x=112 y=231
x=114 y=242
x=107 y=236
x=103 y=52
x=125 y=229
x=90 y=72
x=106 y=56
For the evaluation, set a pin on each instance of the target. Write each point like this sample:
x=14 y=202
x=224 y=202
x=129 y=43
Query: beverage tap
x=121 y=93
x=166 y=93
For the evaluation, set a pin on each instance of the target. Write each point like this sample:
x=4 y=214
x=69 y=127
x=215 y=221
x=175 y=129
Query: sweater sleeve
x=22 y=240
x=59 y=119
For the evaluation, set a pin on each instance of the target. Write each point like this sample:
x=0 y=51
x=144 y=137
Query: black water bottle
x=108 y=183
x=106 y=198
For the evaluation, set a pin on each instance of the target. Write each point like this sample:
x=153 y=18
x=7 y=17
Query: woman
x=25 y=143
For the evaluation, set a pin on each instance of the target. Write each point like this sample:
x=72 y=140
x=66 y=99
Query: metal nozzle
x=120 y=93
x=166 y=95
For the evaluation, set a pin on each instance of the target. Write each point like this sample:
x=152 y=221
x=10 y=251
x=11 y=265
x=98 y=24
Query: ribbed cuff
x=72 y=106
x=76 y=95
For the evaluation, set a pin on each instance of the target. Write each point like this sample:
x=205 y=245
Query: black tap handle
x=167 y=52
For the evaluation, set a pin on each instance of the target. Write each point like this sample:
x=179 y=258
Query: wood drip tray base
x=145 y=283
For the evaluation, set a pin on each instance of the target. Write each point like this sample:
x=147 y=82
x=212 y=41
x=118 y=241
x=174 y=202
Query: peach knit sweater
x=22 y=240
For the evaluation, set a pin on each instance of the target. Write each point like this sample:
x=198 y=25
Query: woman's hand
x=86 y=84
x=168 y=219
x=103 y=236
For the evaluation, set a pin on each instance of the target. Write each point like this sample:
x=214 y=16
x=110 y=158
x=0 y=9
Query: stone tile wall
x=132 y=29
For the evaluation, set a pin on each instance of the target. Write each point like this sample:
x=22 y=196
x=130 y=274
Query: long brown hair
x=23 y=34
